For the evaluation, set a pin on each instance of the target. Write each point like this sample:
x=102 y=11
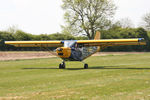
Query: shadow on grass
x=118 y=67
x=96 y=67
x=57 y=68
x=108 y=67
x=40 y=68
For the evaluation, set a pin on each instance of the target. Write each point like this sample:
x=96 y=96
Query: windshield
x=69 y=43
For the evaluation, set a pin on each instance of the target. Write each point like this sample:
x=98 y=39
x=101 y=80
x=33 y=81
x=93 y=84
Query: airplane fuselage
x=69 y=54
x=74 y=52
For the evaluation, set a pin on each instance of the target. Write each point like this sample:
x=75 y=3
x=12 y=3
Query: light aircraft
x=77 y=50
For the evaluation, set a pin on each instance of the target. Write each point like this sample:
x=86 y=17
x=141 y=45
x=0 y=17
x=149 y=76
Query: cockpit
x=70 y=44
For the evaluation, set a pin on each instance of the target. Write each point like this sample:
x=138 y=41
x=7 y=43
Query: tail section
x=88 y=51
x=97 y=37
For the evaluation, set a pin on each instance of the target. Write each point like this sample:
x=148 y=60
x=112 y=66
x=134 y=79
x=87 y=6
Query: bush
x=6 y=36
x=21 y=36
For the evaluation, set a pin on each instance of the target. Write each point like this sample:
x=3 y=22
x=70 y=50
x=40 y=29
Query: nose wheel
x=62 y=65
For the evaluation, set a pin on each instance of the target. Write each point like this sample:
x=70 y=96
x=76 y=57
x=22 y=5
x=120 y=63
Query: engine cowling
x=63 y=52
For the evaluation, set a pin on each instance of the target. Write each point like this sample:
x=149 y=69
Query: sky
x=132 y=9
x=46 y=16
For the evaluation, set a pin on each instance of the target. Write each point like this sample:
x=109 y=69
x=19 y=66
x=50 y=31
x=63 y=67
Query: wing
x=111 y=42
x=35 y=43
x=104 y=42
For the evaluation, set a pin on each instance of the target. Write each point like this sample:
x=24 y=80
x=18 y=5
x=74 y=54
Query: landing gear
x=62 y=65
x=85 y=66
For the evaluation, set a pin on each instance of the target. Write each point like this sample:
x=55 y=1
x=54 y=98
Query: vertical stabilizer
x=97 y=37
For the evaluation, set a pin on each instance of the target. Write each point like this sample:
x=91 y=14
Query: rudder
x=97 y=37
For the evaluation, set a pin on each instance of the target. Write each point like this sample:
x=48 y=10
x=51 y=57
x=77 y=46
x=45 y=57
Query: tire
x=60 y=66
x=63 y=65
x=85 y=66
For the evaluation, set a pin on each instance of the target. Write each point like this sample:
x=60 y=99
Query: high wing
x=82 y=43
x=111 y=42
x=35 y=43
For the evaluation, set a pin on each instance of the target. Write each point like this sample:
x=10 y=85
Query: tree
x=124 y=23
x=12 y=29
x=146 y=21
x=58 y=36
x=43 y=37
x=87 y=16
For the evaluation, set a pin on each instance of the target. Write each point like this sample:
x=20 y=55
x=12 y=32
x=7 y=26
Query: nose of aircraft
x=63 y=52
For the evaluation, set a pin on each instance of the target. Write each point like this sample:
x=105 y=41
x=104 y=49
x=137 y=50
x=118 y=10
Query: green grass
x=120 y=77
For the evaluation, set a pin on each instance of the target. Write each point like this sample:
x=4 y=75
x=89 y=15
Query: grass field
x=119 y=77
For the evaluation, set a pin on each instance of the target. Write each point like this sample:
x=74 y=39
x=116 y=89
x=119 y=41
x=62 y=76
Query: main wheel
x=63 y=65
x=85 y=66
x=60 y=66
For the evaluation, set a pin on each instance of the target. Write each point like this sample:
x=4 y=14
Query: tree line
x=122 y=33
x=20 y=35
x=115 y=32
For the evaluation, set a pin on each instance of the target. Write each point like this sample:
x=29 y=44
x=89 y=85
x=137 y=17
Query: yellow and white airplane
x=77 y=50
